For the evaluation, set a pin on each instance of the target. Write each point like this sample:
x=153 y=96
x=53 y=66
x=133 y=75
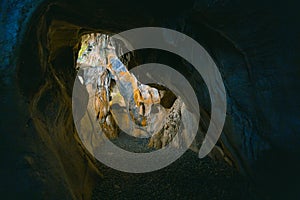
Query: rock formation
x=255 y=45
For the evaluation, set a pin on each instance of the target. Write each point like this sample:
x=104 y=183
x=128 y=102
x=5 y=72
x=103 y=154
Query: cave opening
x=152 y=109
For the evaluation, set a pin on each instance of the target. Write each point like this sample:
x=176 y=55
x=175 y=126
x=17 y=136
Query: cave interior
x=254 y=45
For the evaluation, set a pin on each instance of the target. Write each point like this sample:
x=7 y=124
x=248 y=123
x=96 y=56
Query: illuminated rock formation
x=99 y=59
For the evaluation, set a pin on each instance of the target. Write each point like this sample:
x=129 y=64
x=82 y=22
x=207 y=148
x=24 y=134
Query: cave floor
x=187 y=178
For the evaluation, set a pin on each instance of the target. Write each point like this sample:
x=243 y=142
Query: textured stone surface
x=255 y=45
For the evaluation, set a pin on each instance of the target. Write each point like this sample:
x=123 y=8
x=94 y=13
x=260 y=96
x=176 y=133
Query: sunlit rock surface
x=137 y=106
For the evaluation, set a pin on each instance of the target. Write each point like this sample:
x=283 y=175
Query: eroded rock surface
x=144 y=116
x=254 y=43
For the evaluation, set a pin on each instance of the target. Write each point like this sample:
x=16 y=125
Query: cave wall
x=253 y=43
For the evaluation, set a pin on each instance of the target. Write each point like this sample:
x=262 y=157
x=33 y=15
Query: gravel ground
x=187 y=178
